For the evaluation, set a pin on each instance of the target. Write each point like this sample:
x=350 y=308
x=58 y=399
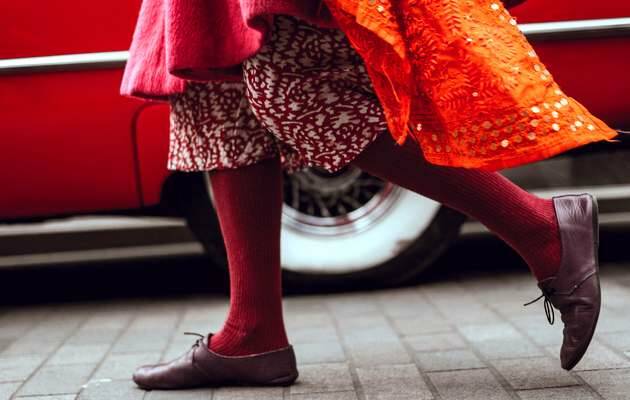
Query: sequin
x=578 y=124
x=535 y=109
x=505 y=143
x=564 y=102
x=495 y=133
x=434 y=137
x=517 y=139
x=537 y=68
x=487 y=125
x=419 y=127
x=555 y=114
x=493 y=146
x=513 y=22
x=534 y=123
x=494 y=6
x=447 y=149
x=558 y=105
x=380 y=9
x=475 y=94
x=591 y=127
x=531 y=135
x=555 y=127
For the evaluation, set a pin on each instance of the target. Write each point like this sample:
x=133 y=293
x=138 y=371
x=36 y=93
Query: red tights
x=248 y=202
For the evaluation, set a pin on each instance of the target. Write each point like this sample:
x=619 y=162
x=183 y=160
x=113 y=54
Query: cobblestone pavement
x=463 y=338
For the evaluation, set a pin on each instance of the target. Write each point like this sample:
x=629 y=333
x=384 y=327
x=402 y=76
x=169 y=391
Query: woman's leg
x=526 y=222
x=248 y=201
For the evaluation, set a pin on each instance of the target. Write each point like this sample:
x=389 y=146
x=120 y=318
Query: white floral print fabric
x=305 y=97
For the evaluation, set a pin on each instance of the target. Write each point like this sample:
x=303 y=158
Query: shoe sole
x=580 y=353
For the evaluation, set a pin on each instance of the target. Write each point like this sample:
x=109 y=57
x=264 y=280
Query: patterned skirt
x=305 y=97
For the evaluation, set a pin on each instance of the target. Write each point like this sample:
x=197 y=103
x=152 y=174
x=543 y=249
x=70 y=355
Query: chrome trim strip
x=67 y=62
x=116 y=59
x=577 y=29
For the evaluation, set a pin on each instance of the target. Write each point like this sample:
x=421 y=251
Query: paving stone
x=319 y=378
x=568 y=393
x=317 y=334
x=378 y=353
x=78 y=354
x=507 y=348
x=122 y=366
x=449 y=360
x=599 y=356
x=610 y=384
x=319 y=353
x=325 y=396
x=367 y=329
x=188 y=394
x=309 y=320
x=435 y=342
x=351 y=305
x=93 y=337
x=30 y=346
x=489 y=332
x=393 y=382
x=57 y=379
x=8 y=388
x=475 y=384
x=248 y=394
x=141 y=342
x=534 y=373
x=401 y=303
x=419 y=326
x=18 y=368
x=107 y=389
x=618 y=340
x=611 y=321
x=538 y=330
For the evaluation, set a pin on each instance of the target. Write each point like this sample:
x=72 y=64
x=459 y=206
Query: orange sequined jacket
x=462 y=80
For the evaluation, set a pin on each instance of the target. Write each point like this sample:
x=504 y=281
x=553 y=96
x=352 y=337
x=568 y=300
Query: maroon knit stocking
x=248 y=201
x=526 y=222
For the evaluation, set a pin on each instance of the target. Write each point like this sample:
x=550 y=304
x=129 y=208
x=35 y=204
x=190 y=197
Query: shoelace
x=198 y=341
x=551 y=317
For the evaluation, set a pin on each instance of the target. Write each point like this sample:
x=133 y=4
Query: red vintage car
x=71 y=145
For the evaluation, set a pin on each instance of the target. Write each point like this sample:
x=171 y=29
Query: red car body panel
x=71 y=144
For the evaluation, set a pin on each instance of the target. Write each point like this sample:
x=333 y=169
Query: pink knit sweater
x=179 y=40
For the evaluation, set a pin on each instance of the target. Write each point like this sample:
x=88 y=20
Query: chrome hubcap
x=323 y=203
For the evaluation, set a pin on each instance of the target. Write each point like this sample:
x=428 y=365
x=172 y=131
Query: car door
x=586 y=45
x=67 y=136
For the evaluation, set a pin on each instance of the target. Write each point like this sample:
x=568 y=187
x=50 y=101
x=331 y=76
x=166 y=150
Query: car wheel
x=346 y=230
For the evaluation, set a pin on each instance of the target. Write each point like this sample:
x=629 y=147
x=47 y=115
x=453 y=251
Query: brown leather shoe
x=575 y=290
x=201 y=367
